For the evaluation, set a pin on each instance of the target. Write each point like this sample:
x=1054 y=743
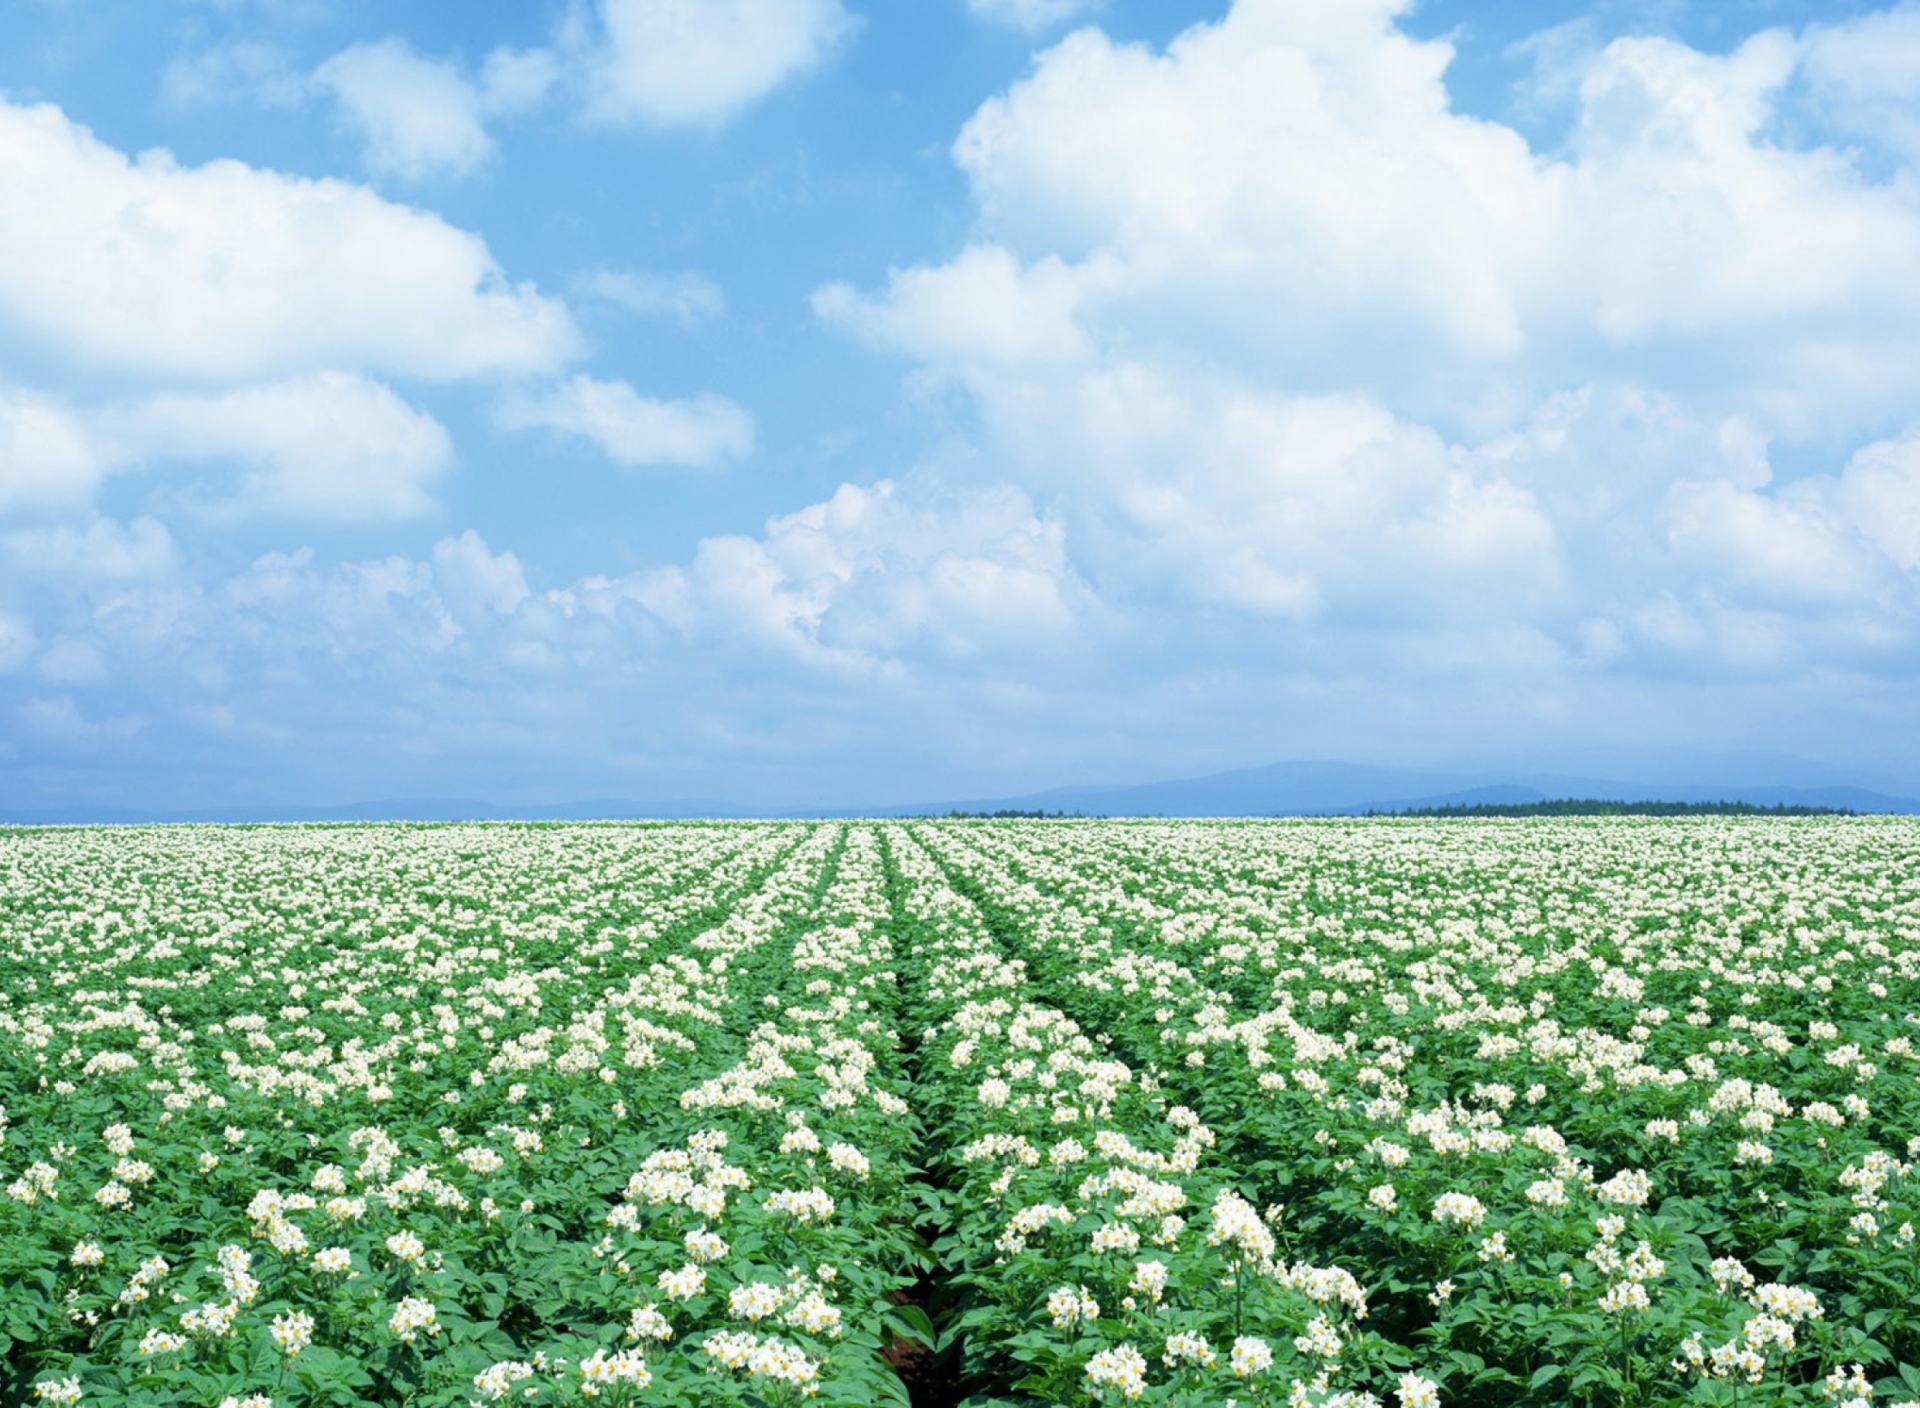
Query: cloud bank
x=1273 y=405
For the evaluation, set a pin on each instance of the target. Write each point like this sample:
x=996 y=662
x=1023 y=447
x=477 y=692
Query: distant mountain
x=1283 y=789
x=415 y=809
x=1333 y=789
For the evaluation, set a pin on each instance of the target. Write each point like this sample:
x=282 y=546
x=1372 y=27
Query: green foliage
x=1597 y=1113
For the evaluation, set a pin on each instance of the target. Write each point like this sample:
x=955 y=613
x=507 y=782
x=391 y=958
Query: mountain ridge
x=1309 y=788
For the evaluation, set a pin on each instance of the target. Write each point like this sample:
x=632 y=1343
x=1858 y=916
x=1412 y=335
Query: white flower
x=1149 y=1280
x=1790 y=1303
x=157 y=1341
x=1070 y=1306
x=1625 y=1296
x=684 y=1284
x=1462 y=1209
x=1250 y=1356
x=1122 y=1369
x=755 y=1301
x=649 y=1324
x=1631 y=1187
x=413 y=1316
x=844 y=1158
x=293 y=1331
x=621 y=1367
x=803 y=1205
x=495 y=1383
x=813 y=1314
x=1416 y=1392
x=1547 y=1193
x=1183 y=1348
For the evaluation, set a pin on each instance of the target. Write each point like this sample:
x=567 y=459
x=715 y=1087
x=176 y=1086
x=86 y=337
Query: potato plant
x=1316 y=1113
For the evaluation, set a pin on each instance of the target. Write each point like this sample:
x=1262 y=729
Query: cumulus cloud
x=704 y=432
x=474 y=579
x=1288 y=404
x=1292 y=336
x=331 y=446
x=230 y=273
x=1863 y=74
x=1031 y=15
x=247 y=70
x=70 y=661
x=100 y=551
x=57 y=717
x=1879 y=493
x=418 y=117
x=47 y=459
x=16 y=642
x=689 y=297
x=984 y=307
x=873 y=572
x=674 y=62
x=857 y=586
x=514 y=81
x=1291 y=189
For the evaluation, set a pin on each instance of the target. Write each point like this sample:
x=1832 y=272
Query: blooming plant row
x=1319 y=1113
x=450 y=1116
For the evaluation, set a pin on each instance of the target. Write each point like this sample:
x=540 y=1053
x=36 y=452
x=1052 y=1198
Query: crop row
x=1321 y=1113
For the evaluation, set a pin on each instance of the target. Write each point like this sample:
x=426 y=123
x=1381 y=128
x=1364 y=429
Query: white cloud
x=46 y=457
x=1865 y=74
x=103 y=551
x=16 y=642
x=474 y=579
x=1290 y=336
x=1284 y=402
x=1776 y=550
x=669 y=62
x=983 y=307
x=244 y=70
x=691 y=298
x=227 y=272
x=57 y=718
x=704 y=432
x=866 y=579
x=359 y=608
x=69 y=661
x=330 y=446
x=1879 y=493
x=1306 y=507
x=514 y=81
x=1031 y=15
x=418 y=117
x=1291 y=190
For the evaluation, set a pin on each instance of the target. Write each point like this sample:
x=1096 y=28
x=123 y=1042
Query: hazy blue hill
x=1282 y=789
x=1320 y=789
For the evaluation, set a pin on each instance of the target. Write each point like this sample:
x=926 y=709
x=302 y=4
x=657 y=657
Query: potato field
x=1348 y=1112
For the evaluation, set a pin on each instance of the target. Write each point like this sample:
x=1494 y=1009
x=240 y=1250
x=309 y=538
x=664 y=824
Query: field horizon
x=1316 y=787
x=941 y=1112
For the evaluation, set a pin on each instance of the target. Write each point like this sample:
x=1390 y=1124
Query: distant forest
x=1581 y=806
x=1563 y=806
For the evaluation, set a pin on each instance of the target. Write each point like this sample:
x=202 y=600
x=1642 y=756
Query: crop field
x=1306 y=1113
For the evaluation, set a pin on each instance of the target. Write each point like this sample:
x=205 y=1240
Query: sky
x=864 y=401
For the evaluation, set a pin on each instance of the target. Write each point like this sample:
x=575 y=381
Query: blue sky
x=834 y=401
